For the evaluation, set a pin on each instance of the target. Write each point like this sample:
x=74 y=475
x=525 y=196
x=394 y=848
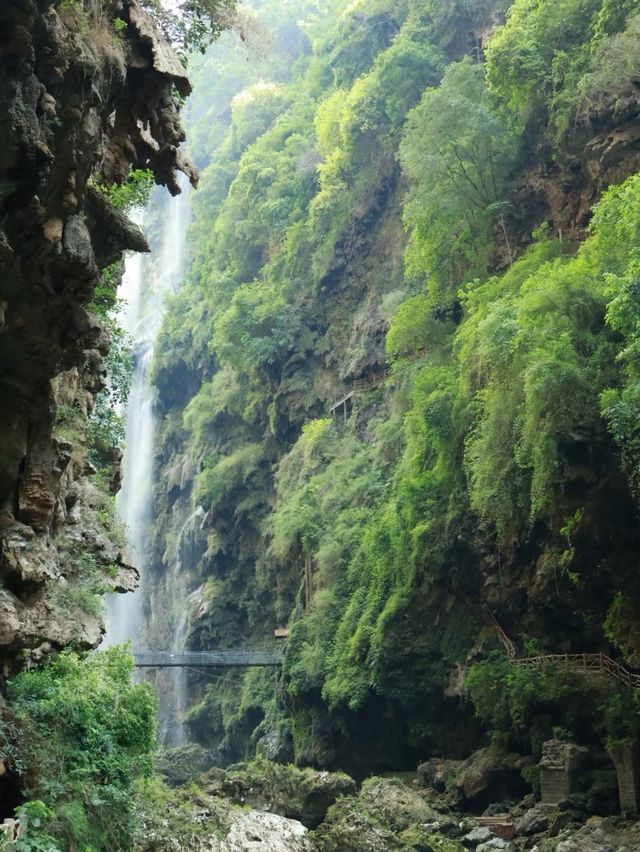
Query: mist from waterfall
x=146 y=282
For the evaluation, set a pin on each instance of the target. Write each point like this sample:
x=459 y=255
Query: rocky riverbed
x=274 y=808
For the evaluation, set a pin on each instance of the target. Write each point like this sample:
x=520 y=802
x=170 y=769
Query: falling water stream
x=146 y=282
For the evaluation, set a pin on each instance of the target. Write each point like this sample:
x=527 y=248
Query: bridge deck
x=207 y=659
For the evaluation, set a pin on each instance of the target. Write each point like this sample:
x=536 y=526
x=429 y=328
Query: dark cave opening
x=11 y=795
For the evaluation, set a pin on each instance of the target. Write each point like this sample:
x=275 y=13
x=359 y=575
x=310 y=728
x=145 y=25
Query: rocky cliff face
x=232 y=450
x=83 y=100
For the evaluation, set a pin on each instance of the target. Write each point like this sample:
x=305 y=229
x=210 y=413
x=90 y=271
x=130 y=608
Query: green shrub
x=83 y=732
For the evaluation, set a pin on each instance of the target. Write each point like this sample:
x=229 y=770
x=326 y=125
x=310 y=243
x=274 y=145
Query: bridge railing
x=226 y=659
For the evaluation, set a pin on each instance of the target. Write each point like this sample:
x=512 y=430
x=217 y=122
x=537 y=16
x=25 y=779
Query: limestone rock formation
x=266 y=833
x=84 y=103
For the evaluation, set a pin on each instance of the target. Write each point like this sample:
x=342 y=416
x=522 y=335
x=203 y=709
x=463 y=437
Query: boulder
x=350 y=828
x=300 y=794
x=491 y=775
x=496 y=843
x=477 y=835
x=265 y=833
x=396 y=805
x=183 y=764
x=436 y=772
x=533 y=821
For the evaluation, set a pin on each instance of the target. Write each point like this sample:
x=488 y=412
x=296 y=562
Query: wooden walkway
x=373 y=380
x=590 y=664
x=599 y=665
x=207 y=659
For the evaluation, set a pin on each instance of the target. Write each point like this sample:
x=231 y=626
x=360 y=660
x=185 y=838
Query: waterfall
x=132 y=503
x=173 y=682
x=146 y=282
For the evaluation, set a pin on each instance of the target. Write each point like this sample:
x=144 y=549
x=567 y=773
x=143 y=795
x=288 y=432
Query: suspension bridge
x=207 y=659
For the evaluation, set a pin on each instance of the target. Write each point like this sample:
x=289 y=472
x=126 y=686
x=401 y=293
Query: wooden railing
x=359 y=385
x=590 y=664
x=372 y=380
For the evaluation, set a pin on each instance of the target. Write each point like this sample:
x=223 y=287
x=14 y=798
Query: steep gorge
x=427 y=209
x=311 y=248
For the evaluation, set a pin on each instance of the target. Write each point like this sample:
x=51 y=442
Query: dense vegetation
x=78 y=735
x=402 y=196
x=425 y=197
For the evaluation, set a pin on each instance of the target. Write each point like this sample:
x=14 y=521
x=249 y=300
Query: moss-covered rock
x=396 y=805
x=183 y=764
x=302 y=794
x=349 y=827
x=183 y=818
x=421 y=840
x=388 y=814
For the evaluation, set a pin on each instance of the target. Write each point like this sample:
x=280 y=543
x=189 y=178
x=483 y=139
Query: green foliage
x=616 y=220
x=532 y=705
x=134 y=192
x=416 y=328
x=486 y=459
x=622 y=627
x=549 y=52
x=84 y=733
x=546 y=330
x=105 y=294
x=106 y=426
x=457 y=152
x=193 y=24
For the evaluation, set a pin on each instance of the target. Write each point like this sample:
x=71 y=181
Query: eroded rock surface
x=264 y=832
x=83 y=104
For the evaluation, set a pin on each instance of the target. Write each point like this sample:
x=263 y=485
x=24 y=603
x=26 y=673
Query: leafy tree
x=537 y=62
x=457 y=152
x=193 y=24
